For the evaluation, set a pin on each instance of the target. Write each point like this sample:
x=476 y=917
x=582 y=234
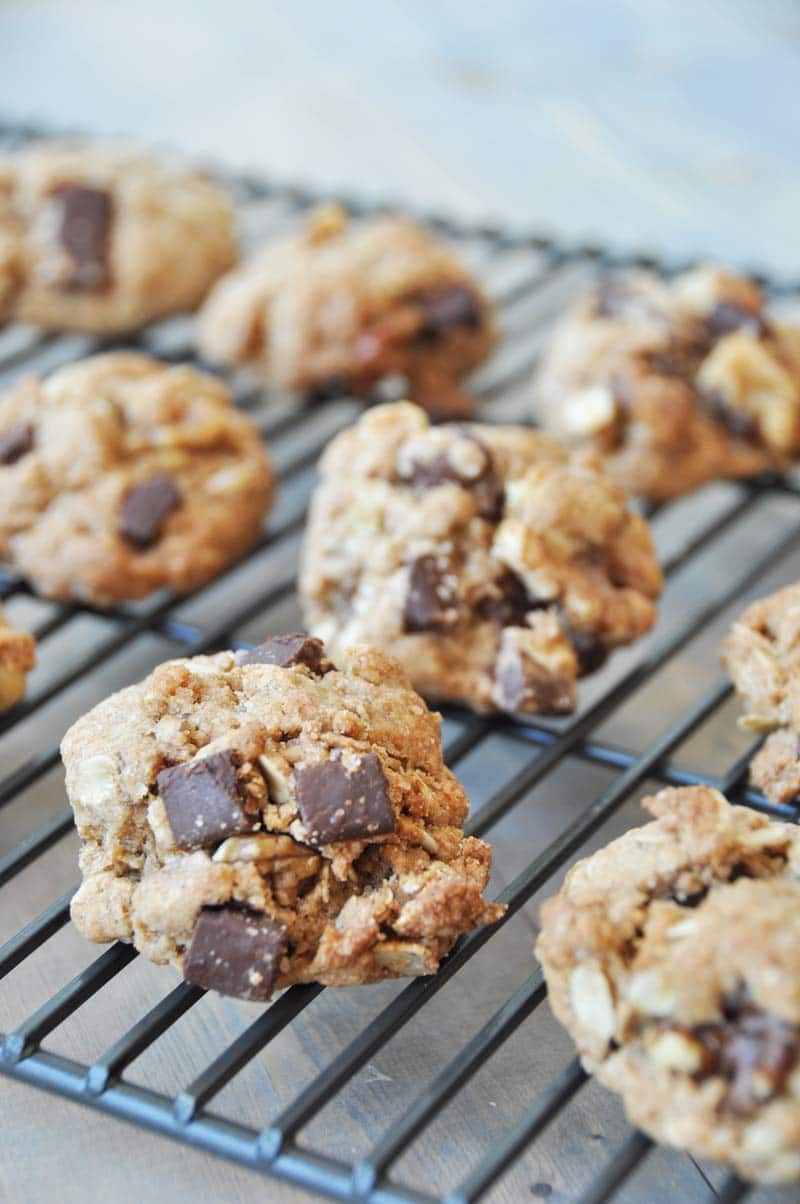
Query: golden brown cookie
x=100 y=238
x=762 y=655
x=343 y=305
x=119 y=475
x=674 y=383
x=493 y=565
x=672 y=956
x=17 y=657
x=265 y=818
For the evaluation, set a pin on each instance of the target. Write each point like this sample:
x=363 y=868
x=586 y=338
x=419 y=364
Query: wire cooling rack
x=457 y=1087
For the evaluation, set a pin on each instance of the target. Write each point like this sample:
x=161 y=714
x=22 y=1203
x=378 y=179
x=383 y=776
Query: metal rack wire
x=529 y=279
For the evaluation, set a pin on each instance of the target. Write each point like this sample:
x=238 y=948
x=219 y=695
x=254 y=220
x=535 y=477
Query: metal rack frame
x=274 y=1150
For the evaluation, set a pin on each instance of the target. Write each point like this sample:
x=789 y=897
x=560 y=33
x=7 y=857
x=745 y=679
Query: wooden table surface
x=662 y=126
x=668 y=125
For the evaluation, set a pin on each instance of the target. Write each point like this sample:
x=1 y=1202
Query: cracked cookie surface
x=762 y=655
x=119 y=475
x=99 y=238
x=265 y=818
x=496 y=567
x=17 y=657
x=346 y=304
x=674 y=383
x=672 y=957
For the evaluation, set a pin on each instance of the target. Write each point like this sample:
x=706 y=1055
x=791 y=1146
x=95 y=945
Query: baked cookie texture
x=17 y=657
x=265 y=818
x=344 y=304
x=674 y=383
x=97 y=237
x=119 y=475
x=672 y=956
x=496 y=567
x=762 y=655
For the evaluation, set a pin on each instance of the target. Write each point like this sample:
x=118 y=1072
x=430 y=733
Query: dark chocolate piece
x=235 y=951
x=16 y=443
x=442 y=309
x=522 y=684
x=84 y=231
x=727 y=317
x=508 y=604
x=144 y=509
x=340 y=804
x=591 y=652
x=431 y=599
x=741 y=425
x=203 y=801
x=286 y=650
x=747 y=1043
x=487 y=487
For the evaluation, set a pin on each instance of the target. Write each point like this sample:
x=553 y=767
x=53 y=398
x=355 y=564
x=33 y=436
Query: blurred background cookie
x=119 y=475
x=102 y=238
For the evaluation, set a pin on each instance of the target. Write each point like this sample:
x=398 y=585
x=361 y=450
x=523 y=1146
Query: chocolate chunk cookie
x=119 y=475
x=17 y=656
x=96 y=237
x=268 y=818
x=496 y=567
x=343 y=305
x=673 y=958
x=762 y=655
x=674 y=383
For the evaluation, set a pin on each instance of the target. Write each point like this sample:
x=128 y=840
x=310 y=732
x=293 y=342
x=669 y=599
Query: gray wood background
x=669 y=127
x=667 y=124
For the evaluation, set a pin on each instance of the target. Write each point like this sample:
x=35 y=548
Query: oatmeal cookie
x=496 y=567
x=99 y=238
x=119 y=475
x=674 y=383
x=343 y=305
x=17 y=656
x=762 y=655
x=265 y=818
x=672 y=956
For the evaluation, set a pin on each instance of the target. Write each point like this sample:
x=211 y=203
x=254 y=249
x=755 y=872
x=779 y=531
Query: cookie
x=99 y=238
x=762 y=655
x=493 y=565
x=672 y=956
x=265 y=818
x=674 y=382
x=119 y=475
x=343 y=305
x=17 y=656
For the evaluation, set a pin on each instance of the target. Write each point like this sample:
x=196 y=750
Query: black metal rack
x=529 y=279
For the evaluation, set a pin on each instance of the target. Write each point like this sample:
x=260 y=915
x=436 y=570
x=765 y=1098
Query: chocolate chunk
x=727 y=317
x=235 y=951
x=508 y=604
x=523 y=684
x=486 y=485
x=286 y=650
x=431 y=599
x=84 y=231
x=442 y=309
x=16 y=443
x=740 y=424
x=144 y=509
x=340 y=804
x=753 y=1049
x=203 y=801
x=591 y=652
